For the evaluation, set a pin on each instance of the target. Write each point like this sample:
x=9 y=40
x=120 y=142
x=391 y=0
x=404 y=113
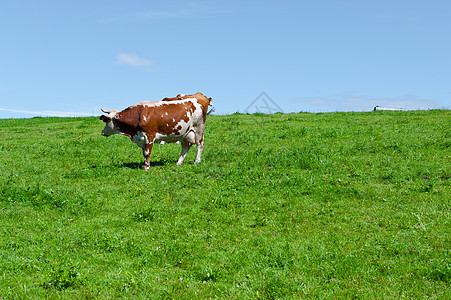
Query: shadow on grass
x=139 y=165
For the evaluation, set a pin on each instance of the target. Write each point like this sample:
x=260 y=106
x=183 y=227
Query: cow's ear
x=105 y=119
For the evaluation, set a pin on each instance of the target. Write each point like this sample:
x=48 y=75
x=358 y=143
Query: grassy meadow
x=283 y=206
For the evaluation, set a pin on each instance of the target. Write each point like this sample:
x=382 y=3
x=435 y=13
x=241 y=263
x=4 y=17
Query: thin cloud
x=48 y=113
x=133 y=60
x=154 y=15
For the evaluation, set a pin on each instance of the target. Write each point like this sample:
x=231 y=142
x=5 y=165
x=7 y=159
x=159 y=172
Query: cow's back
x=170 y=118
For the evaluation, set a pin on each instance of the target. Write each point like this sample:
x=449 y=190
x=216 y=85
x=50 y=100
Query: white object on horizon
x=377 y=108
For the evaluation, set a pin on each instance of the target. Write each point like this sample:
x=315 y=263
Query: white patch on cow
x=109 y=129
x=140 y=138
x=144 y=118
x=166 y=113
x=172 y=138
x=148 y=103
x=173 y=120
x=182 y=126
x=190 y=137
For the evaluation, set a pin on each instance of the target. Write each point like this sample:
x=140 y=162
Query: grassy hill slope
x=336 y=205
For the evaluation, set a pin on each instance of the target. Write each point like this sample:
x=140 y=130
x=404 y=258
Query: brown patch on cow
x=189 y=107
x=156 y=119
x=204 y=114
x=127 y=119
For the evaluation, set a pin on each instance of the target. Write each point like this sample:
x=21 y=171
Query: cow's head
x=110 y=126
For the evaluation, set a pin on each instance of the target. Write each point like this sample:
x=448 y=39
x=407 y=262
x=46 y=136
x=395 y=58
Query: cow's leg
x=200 y=147
x=146 y=152
x=187 y=142
x=185 y=148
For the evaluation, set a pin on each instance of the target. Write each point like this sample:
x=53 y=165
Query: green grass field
x=284 y=206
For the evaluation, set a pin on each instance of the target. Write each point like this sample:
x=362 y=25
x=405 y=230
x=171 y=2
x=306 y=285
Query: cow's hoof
x=146 y=168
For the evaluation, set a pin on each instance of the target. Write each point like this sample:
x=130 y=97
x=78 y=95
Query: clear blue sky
x=323 y=55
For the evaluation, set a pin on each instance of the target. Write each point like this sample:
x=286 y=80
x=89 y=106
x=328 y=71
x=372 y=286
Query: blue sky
x=73 y=57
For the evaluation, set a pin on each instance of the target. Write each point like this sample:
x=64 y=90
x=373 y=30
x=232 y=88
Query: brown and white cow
x=178 y=119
